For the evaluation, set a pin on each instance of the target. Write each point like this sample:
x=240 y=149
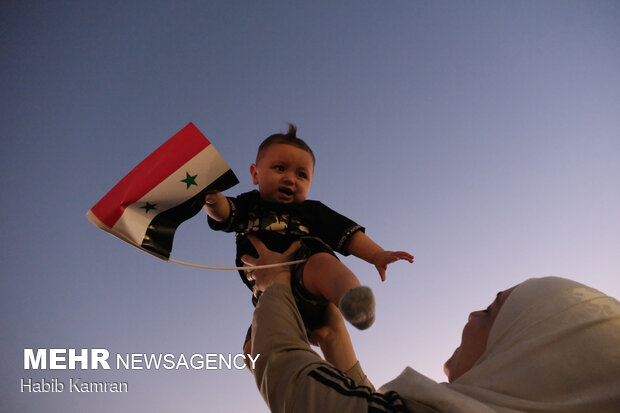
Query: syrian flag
x=168 y=187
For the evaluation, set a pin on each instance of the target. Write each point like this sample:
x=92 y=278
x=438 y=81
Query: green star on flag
x=148 y=207
x=189 y=180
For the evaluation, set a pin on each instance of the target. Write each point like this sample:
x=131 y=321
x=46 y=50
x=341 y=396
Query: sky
x=483 y=137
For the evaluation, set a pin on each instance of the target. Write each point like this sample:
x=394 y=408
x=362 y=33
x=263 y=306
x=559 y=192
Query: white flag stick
x=256 y=267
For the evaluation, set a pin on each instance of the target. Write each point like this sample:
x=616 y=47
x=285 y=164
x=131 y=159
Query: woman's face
x=474 y=338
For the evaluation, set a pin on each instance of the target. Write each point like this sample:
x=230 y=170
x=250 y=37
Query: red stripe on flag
x=159 y=165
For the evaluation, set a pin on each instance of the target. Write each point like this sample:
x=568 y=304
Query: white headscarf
x=554 y=347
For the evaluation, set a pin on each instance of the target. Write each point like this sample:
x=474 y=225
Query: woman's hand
x=266 y=277
x=333 y=338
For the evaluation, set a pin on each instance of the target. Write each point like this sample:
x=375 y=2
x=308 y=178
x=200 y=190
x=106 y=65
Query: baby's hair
x=289 y=138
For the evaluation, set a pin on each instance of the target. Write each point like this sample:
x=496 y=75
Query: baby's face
x=283 y=174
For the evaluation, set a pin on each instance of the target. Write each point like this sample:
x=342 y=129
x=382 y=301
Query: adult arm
x=290 y=376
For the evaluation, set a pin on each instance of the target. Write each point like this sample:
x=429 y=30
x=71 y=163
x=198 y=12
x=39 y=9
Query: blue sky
x=483 y=137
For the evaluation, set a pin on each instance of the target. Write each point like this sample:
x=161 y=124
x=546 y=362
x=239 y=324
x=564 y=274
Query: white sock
x=358 y=307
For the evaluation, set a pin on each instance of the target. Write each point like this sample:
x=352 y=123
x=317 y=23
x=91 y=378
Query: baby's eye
x=302 y=175
x=279 y=168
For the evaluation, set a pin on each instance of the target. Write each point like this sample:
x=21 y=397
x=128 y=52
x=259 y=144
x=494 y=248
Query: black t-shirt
x=277 y=225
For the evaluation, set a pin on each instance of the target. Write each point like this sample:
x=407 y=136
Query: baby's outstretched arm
x=383 y=258
x=217 y=206
x=365 y=248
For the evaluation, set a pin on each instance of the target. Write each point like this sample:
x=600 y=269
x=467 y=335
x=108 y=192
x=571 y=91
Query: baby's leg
x=325 y=276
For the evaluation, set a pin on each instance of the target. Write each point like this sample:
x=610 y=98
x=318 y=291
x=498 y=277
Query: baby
x=279 y=213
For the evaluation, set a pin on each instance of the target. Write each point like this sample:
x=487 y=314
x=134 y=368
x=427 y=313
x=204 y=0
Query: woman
x=545 y=345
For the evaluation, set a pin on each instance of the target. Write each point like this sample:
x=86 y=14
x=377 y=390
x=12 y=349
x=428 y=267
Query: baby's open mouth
x=286 y=191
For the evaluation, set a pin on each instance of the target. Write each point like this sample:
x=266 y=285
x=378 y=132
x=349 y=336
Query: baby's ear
x=254 y=174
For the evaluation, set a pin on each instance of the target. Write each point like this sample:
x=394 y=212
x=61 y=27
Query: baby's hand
x=383 y=258
x=211 y=197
